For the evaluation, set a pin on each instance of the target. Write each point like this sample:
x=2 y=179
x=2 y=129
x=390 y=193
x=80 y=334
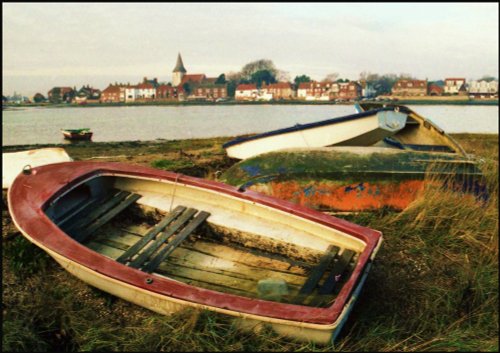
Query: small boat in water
x=347 y=179
x=14 y=162
x=362 y=129
x=418 y=134
x=77 y=134
x=167 y=241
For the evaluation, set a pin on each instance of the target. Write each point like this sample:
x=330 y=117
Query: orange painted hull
x=345 y=197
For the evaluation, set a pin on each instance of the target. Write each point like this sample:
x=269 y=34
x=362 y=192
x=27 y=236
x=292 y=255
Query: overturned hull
x=363 y=129
x=14 y=162
x=353 y=178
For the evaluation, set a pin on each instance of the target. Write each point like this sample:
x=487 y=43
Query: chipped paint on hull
x=341 y=196
x=355 y=178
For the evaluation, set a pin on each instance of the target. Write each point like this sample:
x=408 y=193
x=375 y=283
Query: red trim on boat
x=30 y=194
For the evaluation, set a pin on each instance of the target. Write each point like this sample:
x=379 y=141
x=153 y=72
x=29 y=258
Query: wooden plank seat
x=165 y=236
x=101 y=212
x=340 y=264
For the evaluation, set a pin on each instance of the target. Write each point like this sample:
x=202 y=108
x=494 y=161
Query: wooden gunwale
x=27 y=210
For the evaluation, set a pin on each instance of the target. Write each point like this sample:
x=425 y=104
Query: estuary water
x=41 y=125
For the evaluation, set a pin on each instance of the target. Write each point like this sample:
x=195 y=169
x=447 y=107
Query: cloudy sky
x=71 y=44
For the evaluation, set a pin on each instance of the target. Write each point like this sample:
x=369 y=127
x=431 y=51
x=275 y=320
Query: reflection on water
x=42 y=125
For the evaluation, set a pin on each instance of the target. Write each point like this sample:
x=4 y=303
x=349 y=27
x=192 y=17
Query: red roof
x=111 y=89
x=305 y=85
x=278 y=85
x=195 y=78
x=145 y=86
x=246 y=87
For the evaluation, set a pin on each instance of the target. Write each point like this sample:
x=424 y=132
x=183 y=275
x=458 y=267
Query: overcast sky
x=71 y=44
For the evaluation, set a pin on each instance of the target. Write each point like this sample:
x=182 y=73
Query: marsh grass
x=433 y=287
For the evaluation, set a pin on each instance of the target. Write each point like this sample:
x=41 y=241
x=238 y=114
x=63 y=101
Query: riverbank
x=424 y=101
x=433 y=285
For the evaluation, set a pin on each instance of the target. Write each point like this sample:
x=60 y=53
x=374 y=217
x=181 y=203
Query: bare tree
x=331 y=77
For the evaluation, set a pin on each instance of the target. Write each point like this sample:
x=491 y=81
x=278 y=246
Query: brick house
x=349 y=90
x=166 y=92
x=435 y=90
x=114 y=93
x=455 y=86
x=246 y=92
x=410 y=88
x=208 y=91
x=279 y=90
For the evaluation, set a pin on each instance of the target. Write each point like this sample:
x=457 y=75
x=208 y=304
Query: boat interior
x=208 y=239
x=419 y=134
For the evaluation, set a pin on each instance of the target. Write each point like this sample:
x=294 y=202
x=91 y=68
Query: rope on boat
x=173 y=193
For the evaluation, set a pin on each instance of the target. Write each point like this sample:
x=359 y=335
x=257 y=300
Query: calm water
x=42 y=125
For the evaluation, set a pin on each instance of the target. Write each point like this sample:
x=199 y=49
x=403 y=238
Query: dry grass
x=433 y=286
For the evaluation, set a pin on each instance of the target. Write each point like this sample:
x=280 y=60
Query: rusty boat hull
x=350 y=179
x=167 y=241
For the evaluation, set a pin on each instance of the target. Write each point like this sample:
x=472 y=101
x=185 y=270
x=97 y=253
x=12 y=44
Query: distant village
x=199 y=87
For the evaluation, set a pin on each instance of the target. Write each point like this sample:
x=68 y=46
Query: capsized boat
x=418 y=134
x=362 y=129
x=77 y=134
x=166 y=241
x=14 y=162
x=348 y=179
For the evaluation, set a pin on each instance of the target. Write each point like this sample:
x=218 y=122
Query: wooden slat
x=72 y=214
x=325 y=293
x=107 y=204
x=143 y=256
x=338 y=269
x=107 y=216
x=316 y=274
x=163 y=253
x=134 y=249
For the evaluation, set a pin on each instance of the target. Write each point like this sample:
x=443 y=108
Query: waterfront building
x=314 y=90
x=114 y=93
x=61 y=94
x=349 y=90
x=87 y=94
x=483 y=89
x=410 y=88
x=279 y=90
x=435 y=90
x=166 y=92
x=455 y=86
x=246 y=92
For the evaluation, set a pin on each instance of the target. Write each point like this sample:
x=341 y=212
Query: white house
x=246 y=92
x=483 y=87
x=453 y=85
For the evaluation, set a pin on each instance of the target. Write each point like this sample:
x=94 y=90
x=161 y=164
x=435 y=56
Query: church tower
x=178 y=72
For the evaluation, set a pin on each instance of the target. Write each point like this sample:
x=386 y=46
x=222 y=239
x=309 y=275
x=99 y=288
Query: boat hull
x=33 y=213
x=419 y=133
x=69 y=135
x=341 y=179
x=14 y=162
x=362 y=129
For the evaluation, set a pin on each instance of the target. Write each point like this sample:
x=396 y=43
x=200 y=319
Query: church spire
x=179 y=67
